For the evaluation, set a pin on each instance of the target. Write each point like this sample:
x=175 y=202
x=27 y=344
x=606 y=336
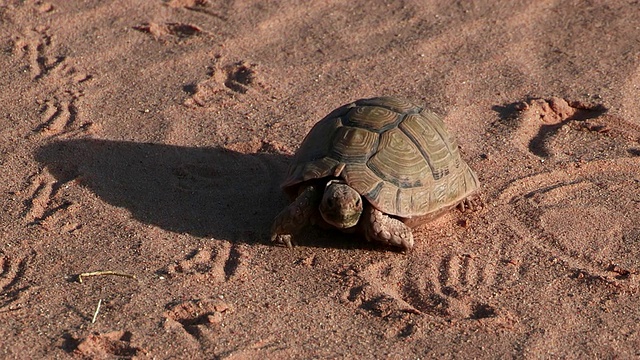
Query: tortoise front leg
x=380 y=227
x=295 y=216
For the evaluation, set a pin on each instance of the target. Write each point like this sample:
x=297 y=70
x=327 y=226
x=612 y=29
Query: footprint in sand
x=166 y=31
x=561 y=130
x=107 y=345
x=373 y=291
x=198 y=319
x=223 y=262
x=584 y=214
x=458 y=286
x=44 y=204
x=12 y=271
x=451 y=286
x=580 y=211
x=60 y=111
x=60 y=118
x=36 y=46
x=235 y=78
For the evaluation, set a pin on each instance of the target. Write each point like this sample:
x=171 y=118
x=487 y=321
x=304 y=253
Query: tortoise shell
x=397 y=155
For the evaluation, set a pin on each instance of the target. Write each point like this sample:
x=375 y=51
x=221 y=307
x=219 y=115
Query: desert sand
x=149 y=138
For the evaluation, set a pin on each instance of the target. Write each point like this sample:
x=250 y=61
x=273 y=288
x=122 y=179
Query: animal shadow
x=206 y=192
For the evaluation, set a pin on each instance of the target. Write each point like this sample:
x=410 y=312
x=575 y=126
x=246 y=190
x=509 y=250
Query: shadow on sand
x=207 y=192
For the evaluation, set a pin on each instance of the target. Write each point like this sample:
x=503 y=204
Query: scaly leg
x=471 y=203
x=382 y=228
x=295 y=216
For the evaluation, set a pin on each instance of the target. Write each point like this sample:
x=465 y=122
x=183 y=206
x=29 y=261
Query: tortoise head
x=341 y=205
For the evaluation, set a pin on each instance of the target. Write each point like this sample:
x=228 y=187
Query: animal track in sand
x=42 y=201
x=12 y=271
x=560 y=129
x=555 y=211
x=60 y=118
x=169 y=30
x=373 y=291
x=240 y=76
x=449 y=286
x=234 y=78
x=40 y=191
x=198 y=318
x=550 y=116
x=59 y=112
x=113 y=344
x=36 y=46
x=223 y=262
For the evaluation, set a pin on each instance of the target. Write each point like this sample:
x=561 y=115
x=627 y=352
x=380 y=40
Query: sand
x=150 y=137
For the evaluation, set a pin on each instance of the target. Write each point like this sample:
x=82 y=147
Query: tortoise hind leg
x=295 y=216
x=380 y=227
x=471 y=203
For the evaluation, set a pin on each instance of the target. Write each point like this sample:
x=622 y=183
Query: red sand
x=150 y=138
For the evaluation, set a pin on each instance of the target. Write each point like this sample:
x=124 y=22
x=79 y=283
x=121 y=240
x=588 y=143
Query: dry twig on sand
x=108 y=272
x=95 y=314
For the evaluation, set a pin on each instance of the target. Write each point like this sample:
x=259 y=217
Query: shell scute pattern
x=373 y=118
x=395 y=154
x=398 y=160
x=353 y=145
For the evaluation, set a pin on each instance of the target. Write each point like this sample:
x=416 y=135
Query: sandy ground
x=150 y=137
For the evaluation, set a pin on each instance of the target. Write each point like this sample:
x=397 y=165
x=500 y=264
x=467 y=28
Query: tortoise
x=379 y=166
